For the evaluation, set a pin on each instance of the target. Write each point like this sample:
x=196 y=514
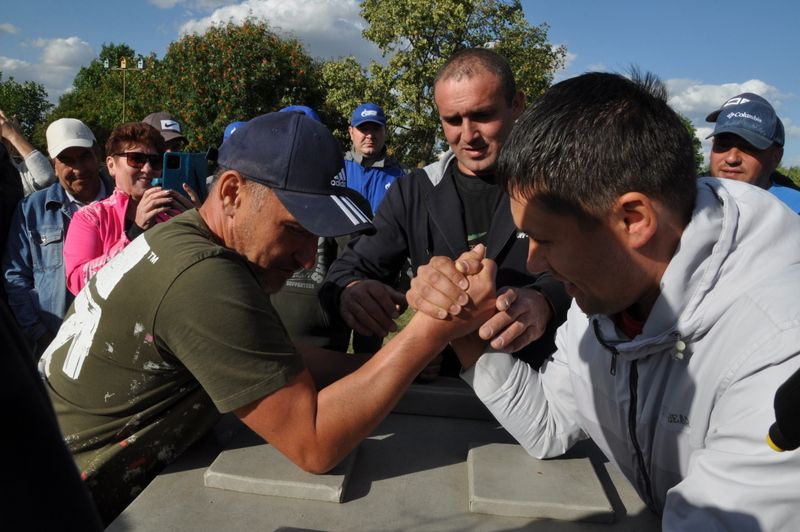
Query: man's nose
x=469 y=129
x=537 y=263
x=733 y=156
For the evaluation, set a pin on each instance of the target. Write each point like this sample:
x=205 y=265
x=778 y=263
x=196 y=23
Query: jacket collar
x=442 y=210
x=56 y=197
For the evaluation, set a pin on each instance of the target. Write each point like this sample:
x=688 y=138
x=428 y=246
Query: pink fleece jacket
x=96 y=234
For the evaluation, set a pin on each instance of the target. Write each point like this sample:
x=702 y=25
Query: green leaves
x=26 y=101
x=232 y=72
x=238 y=71
x=416 y=37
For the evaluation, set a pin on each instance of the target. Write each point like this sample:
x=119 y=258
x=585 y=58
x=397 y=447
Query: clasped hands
x=440 y=290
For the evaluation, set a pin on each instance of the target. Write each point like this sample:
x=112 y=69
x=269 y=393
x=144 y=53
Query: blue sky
x=705 y=51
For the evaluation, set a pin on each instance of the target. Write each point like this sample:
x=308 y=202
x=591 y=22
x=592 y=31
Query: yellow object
x=772 y=444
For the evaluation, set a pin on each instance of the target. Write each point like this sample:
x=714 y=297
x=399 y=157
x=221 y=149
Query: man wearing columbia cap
x=179 y=327
x=748 y=146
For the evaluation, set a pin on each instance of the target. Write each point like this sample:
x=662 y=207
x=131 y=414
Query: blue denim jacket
x=33 y=262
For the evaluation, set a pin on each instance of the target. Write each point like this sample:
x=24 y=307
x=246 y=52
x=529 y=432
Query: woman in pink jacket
x=99 y=231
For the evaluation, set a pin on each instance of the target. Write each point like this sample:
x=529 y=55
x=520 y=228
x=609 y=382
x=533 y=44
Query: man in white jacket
x=685 y=317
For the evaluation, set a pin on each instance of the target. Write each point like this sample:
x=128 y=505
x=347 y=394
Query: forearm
x=350 y=408
x=20 y=143
x=36 y=172
x=513 y=392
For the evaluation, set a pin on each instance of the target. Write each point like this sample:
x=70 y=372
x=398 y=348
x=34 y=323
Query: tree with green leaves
x=698 y=147
x=234 y=72
x=27 y=102
x=416 y=37
x=792 y=172
x=101 y=90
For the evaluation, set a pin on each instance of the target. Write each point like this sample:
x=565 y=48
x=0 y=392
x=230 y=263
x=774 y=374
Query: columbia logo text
x=744 y=115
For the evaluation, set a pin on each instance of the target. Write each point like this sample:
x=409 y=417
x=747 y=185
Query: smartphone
x=183 y=167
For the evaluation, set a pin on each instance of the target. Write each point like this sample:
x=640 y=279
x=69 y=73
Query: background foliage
x=238 y=71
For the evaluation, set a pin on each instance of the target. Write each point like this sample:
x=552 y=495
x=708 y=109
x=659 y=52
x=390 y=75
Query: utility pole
x=123 y=66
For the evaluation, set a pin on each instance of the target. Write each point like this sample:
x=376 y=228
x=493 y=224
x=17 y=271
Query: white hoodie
x=687 y=411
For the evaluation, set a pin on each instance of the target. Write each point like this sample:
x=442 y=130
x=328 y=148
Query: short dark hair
x=472 y=61
x=134 y=132
x=594 y=137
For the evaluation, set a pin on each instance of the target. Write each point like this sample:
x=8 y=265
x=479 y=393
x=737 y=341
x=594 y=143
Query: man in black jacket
x=447 y=208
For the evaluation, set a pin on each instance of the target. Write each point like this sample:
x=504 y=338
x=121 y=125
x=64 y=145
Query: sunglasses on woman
x=137 y=159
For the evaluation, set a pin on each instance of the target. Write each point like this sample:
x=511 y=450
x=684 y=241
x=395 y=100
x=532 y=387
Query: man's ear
x=635 y=216
x=229 y=188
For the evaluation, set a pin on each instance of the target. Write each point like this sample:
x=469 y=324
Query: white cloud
x=5 y=27
x=60 y=60
x=695 y=99
x=791 y=129
x=328 y=28
x=202 y=5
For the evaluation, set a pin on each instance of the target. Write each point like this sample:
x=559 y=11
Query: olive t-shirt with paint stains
x=168 y=334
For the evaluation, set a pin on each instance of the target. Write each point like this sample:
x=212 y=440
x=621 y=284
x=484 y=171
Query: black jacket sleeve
x=380 y=256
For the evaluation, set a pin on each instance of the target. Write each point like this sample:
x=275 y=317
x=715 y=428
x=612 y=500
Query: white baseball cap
x=68 y=133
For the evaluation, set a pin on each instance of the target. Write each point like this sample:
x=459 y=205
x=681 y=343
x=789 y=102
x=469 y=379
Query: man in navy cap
x=179 y=328
x=748 y=146
x=369 y=170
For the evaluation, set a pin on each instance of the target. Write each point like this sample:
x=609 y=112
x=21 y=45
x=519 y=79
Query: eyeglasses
x=137 y=159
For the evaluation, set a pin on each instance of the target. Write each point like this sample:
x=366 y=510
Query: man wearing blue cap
x=748 y=146
x=179 y=328
x=369 y=170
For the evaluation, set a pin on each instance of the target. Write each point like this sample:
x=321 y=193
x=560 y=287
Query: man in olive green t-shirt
x=179 y=327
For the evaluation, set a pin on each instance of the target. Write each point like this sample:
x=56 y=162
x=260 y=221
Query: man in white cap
x=33 y=265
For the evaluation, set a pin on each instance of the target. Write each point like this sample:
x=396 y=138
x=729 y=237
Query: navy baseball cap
x=368 y=112
x=299 y=159
x=751 y=117
x=308 y=111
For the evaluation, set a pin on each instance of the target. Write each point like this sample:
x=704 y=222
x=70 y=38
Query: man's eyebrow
x=487 y=110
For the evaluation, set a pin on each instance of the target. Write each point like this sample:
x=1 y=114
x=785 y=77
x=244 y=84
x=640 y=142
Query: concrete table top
x=412 y=473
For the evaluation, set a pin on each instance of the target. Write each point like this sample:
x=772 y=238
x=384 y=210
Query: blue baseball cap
x=367 y=112
x=230 y=128
x=301 y=161
x=751 y=117
x=308 y=111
